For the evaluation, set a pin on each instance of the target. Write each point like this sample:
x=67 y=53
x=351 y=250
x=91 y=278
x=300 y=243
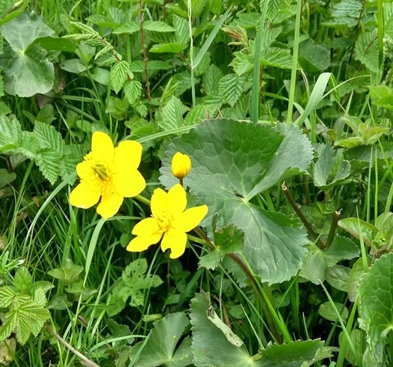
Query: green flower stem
x=142 y=199
x=333 y=227
x=308 y=226
x=209 y=243
x=199 y=240
x=262 y=298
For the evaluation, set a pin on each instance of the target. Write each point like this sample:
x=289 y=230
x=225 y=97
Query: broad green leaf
x=211 y=79
x=172 y=114
x=130 y=27
x=166 y=334
x=173 y=48
x=330 y=169
x=6 y=177
x=327 y=311
x=101 y=20
x=182 y=30
x=7 y=295
x=200 y=113
x=277 y=57
x=234 y=161
x=51 y=150
x=347 y=8
x=379 y=91
x=55 y=44
x=132 y=284
x=231 y=88
x=46 y=115
x=23 y=280
x=247 y=20
x=227 y=240
x=26 y=69
x=338 y=277
x=357 y=273
x=68 y=272
x=359 y=229
x=157 y=26
x=242 y=63
x=212 y=348
x=376 y=301
x=319 y=260
x=132 y=90
x=24 y=317
x=313 y=58
x=23 y=30
x=10 y=133
x=366 y=49
x=119 y=74
x=75 y=66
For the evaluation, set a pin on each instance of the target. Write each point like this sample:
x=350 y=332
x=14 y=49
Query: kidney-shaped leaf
x=26 y=69
x=231 y=163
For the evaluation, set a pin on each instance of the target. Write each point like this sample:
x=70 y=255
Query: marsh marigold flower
x=181 y=165
x=169 y=221
x=108 y=173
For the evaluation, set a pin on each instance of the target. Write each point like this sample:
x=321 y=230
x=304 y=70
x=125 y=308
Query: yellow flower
x=110 y=173
x=181 y=165
x=169 y=220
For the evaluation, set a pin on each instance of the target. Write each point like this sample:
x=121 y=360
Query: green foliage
x=284 y=269
x=27 y=71
x=244 y=162
x=24 y=307
x=375 y=307
x=166 y=333
x=132 y=284
x=211 y=346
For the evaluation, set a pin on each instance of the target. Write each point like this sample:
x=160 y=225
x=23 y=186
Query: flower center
x=164 y=221
x=100 y=168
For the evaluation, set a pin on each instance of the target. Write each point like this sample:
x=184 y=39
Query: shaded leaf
x=166 y=334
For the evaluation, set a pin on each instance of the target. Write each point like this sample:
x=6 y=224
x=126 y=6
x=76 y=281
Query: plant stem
x=86 y=361
x=332 y=231
x=292 y=86
x=142 y=199
x=295 y=207
x=269 y=317
x=144 y=56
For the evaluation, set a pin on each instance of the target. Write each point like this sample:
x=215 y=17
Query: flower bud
x=181 y=165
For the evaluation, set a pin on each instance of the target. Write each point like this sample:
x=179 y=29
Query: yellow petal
x=139 y=244
x=176 y=241
x=84 y=196
x=129 y=183
x=181 y=165
x=128 y=155
x=102 y=146
x=84 y=170
x=147 y=227
x=159 y=202
x=190 y=218
x=109 y=204
x=177 y=200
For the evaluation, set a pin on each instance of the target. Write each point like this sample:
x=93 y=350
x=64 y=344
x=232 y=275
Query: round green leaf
x=231 y=163
x=376 y=300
